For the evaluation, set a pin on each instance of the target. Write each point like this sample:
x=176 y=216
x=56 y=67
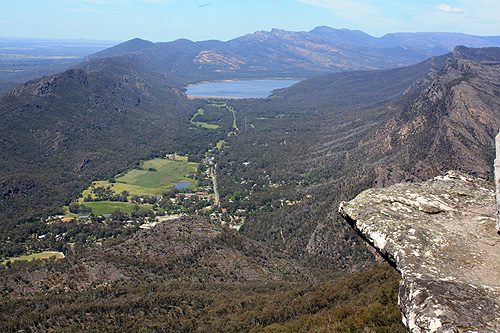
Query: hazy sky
x=166 y=20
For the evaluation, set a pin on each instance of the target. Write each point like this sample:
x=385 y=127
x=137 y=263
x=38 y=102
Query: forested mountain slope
x=319 y=148
x=357 y=89
x=451 y=124
x=58 y=132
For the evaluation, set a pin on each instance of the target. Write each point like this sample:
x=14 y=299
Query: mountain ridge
x=461 y=103
x=133 y=45
x=281 y=53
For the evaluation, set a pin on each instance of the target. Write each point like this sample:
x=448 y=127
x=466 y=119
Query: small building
x=170 y=156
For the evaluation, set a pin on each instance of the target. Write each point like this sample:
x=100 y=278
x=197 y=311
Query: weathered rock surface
x=441 y=236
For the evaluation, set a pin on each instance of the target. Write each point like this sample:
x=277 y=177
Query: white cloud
x=447 y=8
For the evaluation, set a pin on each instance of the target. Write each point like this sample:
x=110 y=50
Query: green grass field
x=200 y=123
x=108 y=207
x=142 y=182
x=155 y=182
x=220 y=144
x=43 y=255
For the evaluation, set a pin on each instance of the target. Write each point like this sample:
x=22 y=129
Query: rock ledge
x=441 y=236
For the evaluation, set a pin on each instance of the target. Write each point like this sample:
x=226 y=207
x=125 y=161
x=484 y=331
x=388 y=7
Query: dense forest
x=282 y=164
x=363 y=301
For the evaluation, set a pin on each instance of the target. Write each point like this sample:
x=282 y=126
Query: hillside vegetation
x=281 y=166
x=446 y=119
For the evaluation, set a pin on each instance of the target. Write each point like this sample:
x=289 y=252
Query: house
x=170 y=156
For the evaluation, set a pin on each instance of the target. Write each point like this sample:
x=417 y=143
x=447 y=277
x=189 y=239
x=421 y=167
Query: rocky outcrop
x=441 y=236
x=450 y=125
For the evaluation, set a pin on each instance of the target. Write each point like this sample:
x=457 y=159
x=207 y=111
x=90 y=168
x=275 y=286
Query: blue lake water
x=245 y=89
x=181 y=185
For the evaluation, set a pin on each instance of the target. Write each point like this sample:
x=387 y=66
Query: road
x=214 y=179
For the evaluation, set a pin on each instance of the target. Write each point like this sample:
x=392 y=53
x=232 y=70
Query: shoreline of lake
x=237 y=89
x=223 y=97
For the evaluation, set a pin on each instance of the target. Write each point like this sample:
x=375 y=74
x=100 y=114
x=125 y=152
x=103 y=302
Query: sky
x=167 y=20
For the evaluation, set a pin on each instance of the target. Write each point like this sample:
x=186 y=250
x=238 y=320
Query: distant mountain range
x=280 y=53
x=263 y=54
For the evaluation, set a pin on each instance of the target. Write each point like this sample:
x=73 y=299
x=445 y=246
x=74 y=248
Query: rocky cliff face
x=451 y=124
x=441 y=236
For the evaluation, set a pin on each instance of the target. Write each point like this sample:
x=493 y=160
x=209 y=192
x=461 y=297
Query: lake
x=238 y=89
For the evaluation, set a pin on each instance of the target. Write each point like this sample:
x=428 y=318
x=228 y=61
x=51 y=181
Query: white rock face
x=442 y=236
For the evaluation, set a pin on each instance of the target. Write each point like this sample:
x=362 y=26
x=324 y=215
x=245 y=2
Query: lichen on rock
x=441 y=235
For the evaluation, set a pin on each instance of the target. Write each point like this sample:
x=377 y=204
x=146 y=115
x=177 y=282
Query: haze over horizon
x=166 y=20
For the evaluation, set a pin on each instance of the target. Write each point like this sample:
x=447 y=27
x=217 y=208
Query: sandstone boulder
x=441 y=236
